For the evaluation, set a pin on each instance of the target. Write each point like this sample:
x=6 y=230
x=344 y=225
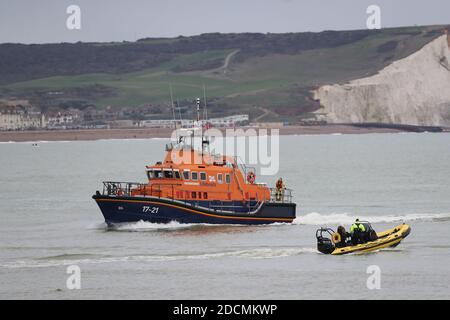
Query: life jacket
x=279 y=184
x=357 y=226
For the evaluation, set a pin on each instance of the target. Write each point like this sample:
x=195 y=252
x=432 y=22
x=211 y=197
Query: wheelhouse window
x=219 y=178
x=227 y=178
x=177 y=174
x=168 y=174
x=156 y=174
x=194 y=175
x=185 y=175
x=203 y=176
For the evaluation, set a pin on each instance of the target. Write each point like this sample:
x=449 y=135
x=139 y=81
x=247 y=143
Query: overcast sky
x=43 y=21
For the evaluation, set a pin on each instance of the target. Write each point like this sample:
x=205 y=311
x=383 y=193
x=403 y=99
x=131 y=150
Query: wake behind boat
x=208 y=188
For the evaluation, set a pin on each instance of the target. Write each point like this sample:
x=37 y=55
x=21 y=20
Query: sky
x=44 y=21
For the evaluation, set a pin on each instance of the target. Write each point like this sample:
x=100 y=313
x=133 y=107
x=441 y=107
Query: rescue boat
x=209 y=188
x=331 y=242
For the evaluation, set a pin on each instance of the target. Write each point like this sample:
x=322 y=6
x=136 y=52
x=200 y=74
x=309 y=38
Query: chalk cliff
x=414 y=90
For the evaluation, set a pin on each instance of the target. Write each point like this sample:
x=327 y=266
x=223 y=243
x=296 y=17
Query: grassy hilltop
x=268 y=76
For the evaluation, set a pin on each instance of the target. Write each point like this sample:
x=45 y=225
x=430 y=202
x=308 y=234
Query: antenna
x=198 y=110
x=173 y=107
x=178 y=139
x=179 y=113
x=205 y=110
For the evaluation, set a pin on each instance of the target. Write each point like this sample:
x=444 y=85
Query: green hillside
x=256 y=78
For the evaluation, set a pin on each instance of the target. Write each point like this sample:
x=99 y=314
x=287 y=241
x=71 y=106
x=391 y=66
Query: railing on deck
x=124 y=189
x=284 y=195
x=114 y=188
x=111 y=188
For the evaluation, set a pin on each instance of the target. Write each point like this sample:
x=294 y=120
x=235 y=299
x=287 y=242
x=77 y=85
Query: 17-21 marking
x=151 y=210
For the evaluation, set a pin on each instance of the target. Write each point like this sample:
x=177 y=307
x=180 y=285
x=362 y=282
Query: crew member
x=280 y=189
x=344 y=234
x=357 y=232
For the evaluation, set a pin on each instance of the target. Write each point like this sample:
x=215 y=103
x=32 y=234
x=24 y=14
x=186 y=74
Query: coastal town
x=20 y=121
x=20 y=115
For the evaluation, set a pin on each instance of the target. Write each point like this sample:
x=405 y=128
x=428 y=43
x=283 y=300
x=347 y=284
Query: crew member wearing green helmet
x=356 y=231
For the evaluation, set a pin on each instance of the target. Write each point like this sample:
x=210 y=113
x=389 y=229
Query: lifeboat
x=331 y=242
x=208 y=188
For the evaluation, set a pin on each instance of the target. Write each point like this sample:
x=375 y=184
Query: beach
x=145 y=133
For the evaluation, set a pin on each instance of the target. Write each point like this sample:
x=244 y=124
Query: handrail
x=121 y=188
x=237 y=181
x=112 y=188
x=283 y=195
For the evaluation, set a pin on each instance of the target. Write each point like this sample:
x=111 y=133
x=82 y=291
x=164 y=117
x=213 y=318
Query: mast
x=205 y=110
x=173 y=113
x=179 y=113
x=205 y=141
x=198 y=123
x=198 y=110
x=173 y=107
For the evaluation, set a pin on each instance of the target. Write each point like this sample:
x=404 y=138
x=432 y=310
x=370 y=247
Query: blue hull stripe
x=129 y=210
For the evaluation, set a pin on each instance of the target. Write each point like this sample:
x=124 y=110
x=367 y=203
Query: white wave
x=145 y=225
x=257 y=253
x=315 y=218
x=58 y=262
x=173 y=225
x=267 y=253
x=71 y=141
x=97 y=226
x=53 y=141
x=36 y=142
x=158 y=138
x=131 y=139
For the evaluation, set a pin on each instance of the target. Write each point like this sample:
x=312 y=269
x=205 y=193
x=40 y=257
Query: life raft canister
x=251 y=177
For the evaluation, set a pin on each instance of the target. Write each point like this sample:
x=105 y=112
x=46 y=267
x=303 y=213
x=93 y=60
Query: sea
x=52 y=231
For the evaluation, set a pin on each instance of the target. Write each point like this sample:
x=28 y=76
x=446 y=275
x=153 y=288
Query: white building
x=160 y=123
x=19 y=118
x=229 y=121
x=59 y=120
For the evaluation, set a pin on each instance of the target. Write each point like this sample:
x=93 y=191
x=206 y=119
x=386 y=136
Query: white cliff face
x=414 y=90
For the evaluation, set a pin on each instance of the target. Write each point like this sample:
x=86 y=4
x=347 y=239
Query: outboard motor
x=324 y=244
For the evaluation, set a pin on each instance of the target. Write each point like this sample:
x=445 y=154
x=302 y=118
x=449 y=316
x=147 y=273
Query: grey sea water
x=49 y=222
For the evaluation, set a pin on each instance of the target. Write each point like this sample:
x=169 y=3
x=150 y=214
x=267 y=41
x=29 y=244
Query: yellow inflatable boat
x=336 y=243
